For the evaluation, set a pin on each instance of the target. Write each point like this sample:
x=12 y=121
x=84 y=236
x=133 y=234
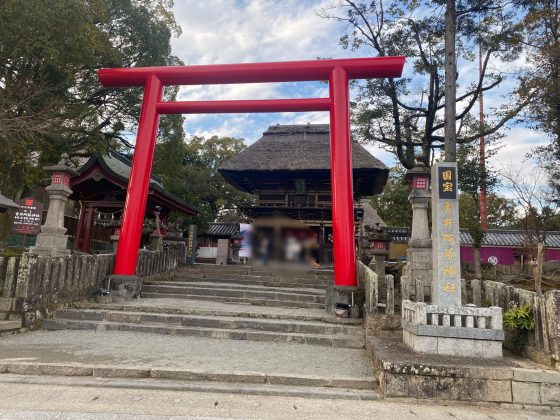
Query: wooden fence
x=32 y=287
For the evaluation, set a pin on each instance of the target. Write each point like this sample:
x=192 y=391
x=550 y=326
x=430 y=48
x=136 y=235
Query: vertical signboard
x=27 y=219
x=446 y=282
x=192 y=241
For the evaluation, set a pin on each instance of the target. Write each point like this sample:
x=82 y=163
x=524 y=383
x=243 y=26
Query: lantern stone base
x=465 y=331
x=345 y=295
x=124 y=287
x=51 y=242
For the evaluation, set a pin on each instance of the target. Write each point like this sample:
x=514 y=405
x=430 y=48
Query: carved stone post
x=52 y=240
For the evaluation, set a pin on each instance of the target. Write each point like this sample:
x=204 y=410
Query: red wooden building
x=101 y=187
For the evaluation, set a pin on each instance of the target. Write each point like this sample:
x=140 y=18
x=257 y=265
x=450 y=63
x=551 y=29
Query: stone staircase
x=297 y=290
x=242 y=303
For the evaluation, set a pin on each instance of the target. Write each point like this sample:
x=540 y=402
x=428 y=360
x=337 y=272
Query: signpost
x=27 y=219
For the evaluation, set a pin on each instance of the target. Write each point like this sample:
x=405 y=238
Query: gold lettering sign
x=446 y=175
x=448 y=186
x=448 y=238
x=449 y=271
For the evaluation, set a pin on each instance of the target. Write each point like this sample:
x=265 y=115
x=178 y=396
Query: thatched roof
x=300 y=148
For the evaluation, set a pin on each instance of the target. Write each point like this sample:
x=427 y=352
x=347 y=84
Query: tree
x=538 y=210
x=50 y=98
x=501 y=212
x=473 y=178
x=393 y=206
x=190 y=171
x=541 y=29
x=405 y=115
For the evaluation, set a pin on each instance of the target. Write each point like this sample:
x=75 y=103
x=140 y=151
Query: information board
x=28 y=218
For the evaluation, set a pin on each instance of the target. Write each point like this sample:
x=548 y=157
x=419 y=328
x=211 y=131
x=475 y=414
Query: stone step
x=236 y=300
x=258 y=271
x=250 y=279
x=246 y=312
x=10 y=325
x=168 y=329
x=224 y=322
x=234 y=286
x=245 y=293
x=207 y=383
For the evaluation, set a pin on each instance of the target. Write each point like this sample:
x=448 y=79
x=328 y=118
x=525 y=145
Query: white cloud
x=238 y=31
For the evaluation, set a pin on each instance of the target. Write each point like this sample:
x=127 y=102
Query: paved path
x=62 y=402
x=184 y=352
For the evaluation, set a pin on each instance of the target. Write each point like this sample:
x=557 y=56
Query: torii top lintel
x=287 y=71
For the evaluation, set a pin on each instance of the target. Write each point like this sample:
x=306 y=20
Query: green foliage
x=501 y=212
x=405 y=115
x=51 y=100
x=519 y=320
x=393 y=205
x=190 y=171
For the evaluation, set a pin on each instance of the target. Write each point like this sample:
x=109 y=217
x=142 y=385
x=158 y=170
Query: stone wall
x=544 y=341
x=33 y=287
x=404 y=374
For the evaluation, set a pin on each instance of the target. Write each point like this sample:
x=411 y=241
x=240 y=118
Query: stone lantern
x=379 y=248
x=52 y=241
x=114 y=238
x=417 y=273
x=236 y=239
x=156 y=238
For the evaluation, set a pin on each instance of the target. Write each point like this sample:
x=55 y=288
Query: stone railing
x=33 y=287
x=543 y=341
x=457 y=331
x=369 y=281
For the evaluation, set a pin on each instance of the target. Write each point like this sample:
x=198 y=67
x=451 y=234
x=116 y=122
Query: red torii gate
x=337 y=72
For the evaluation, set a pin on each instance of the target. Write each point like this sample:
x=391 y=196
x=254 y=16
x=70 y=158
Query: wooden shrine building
x=288 y=171
x=101 y=188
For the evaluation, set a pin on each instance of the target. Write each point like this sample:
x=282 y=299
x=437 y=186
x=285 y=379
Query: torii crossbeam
x=337 y=72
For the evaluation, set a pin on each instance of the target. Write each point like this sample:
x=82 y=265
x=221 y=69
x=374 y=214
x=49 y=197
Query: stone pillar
x=379 y=248
x=52 y=241
x=446 y=281
x=417 y=272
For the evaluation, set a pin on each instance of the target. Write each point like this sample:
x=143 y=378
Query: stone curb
x=345 y=341
x=201 y=386
x=206 y=312
x=61 y=369
x=532 y=389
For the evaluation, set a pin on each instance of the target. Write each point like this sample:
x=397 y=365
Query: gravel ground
x=182 y=352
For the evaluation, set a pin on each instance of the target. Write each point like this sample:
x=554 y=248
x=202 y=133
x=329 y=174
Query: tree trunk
x=450 y=83
x=477 y=266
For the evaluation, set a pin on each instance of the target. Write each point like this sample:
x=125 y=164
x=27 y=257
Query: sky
x=239 y=31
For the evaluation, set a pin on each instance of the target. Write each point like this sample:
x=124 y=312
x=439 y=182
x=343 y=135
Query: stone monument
x=445 y=327
x=52 y=241
x=417 y=273
x=222 y=254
